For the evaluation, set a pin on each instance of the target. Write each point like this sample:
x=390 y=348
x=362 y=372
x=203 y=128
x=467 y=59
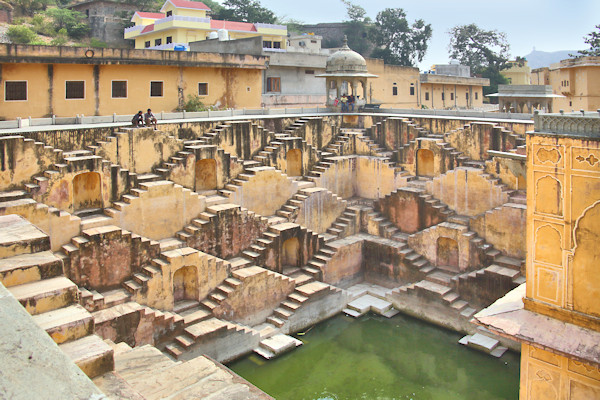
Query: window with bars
x=202 y=89
x=15 y=91
x=157 y=42
x=395 y=91
x=426 y=95
x=169 y=39
x=412 y=90
x=156 y=89
x=75 y=89
x=119 y=89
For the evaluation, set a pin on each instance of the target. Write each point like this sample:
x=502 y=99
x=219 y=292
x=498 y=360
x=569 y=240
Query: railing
x=185 y=115
x=582 y=123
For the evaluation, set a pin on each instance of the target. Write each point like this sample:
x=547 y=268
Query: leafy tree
x=486 y=52
x=593 y=40
x=72 y=21
x=30 y=7
x=245 y=11
x=399 y=43
x=355 y=12
x=20 y=34
x=214 y=6
x=61 y=38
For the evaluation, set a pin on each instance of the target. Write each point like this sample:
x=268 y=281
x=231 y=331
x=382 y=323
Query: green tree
x=30 y=7
x=20 y=34
x=399 y=43
x=593 y=40
x=245 y=11
x=355 y=12
x=72 y=21
x=486 y=52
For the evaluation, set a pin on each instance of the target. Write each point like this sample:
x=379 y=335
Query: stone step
x=195 y=315
x=440 y=277
x=502 y=271
x=282 y=313
x=91 y=354
x=185 y=305
x=45 y=295
x=65 y=324
x=277 y=345
x=24 y=268
x=508 y=262
x=275 y=321
x=205 y=330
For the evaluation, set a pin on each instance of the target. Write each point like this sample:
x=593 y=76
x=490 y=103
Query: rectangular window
x=451 y=96
x=169 y=39
x=309 y=71
x=267 y=44
x=169 y=13
x=273 y=84
x=147 y=44
x=395 y=91
x=427 y=96
x=276 y=45
x=202 y=89
x=119 y=89
x=443 y=96
x=467 y=96
x=476 y=95
x=74 y=89
x=412 y=90
x=15 y=91
x=157 y=42
x=156 y=89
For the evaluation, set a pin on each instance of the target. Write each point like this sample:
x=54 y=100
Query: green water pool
x=378 y=358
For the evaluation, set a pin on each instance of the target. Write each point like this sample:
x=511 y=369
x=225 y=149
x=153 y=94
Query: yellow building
x=517 y=73
x=451 y=92
x=556 y=316
x=396 y=86
x=578 y=79
x=38 y=81
x=181 y=22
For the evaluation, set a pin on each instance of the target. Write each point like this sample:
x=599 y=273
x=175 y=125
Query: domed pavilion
x=345 y=70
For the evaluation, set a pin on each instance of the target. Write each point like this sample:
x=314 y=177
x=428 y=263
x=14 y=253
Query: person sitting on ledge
x=150 y=119
x=138 y=119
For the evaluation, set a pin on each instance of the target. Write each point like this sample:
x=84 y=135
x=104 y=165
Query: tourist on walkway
x=351 y=102
x=138 y=119
x=150 y=119
x=344 y=102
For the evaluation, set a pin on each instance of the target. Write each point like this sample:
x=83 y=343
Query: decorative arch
x=425 y=162
x=586 y=262
x=548 y=196
x=185 y=284
x=294 y=162
x=548 y=245
x=87 y=191
x=206 y=174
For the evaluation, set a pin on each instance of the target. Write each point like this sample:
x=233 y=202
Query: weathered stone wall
x=319 y=209
x=21 y=159
x=158 y=209
x=278 y=254
x=409 y=211
x=504 y=228
x=383 y=263
x=260 y=292
x=206 y=273
x=468 y=191
x=475 y=139
x=441 y=125
x=227 y=232
x=345 y=267
x=510 y=168
x=103 y=258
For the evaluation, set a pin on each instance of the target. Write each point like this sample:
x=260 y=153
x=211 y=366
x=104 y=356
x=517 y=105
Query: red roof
x=198 y=5
x=150 y=15
x=148 y=28
x=232 y=26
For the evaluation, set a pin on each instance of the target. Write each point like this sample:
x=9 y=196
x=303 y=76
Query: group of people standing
x=148 y=119
x=347 y=102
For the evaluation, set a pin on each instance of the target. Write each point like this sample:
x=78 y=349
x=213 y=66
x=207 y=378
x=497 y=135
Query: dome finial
x=345 y=41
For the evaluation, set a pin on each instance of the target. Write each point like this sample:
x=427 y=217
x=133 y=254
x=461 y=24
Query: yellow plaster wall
x=319 y=210
x=550 y=376
x=425 y=243
x=562 y=213
x=380 y=89
x=23 y=159
x=467 y=191
x=37 y=104
x=504 y=228
x=435 y=91
x=159 y=209
x=511 y=172
x=71 y=72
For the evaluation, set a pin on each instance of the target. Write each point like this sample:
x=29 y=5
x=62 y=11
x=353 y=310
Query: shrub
x=97 y=43
x=21 y=34
x=193 y=104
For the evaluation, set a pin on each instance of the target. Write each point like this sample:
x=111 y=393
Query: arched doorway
x=447 y=253
x=425 y=165
x=87 y=191
x=185 y=284
x=290 y=253
x=294 y=162
x=206 y=174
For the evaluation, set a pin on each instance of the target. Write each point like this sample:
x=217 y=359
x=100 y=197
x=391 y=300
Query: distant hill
x=539 y=59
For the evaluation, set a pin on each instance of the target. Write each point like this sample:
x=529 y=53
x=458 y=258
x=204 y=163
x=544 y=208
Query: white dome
x=345 y=60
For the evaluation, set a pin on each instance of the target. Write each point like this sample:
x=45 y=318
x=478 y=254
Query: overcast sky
x=547 y=25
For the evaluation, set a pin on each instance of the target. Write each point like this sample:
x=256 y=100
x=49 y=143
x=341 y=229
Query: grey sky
x=549 y=25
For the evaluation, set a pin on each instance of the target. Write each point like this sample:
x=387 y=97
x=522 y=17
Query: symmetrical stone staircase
x=34 y=275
